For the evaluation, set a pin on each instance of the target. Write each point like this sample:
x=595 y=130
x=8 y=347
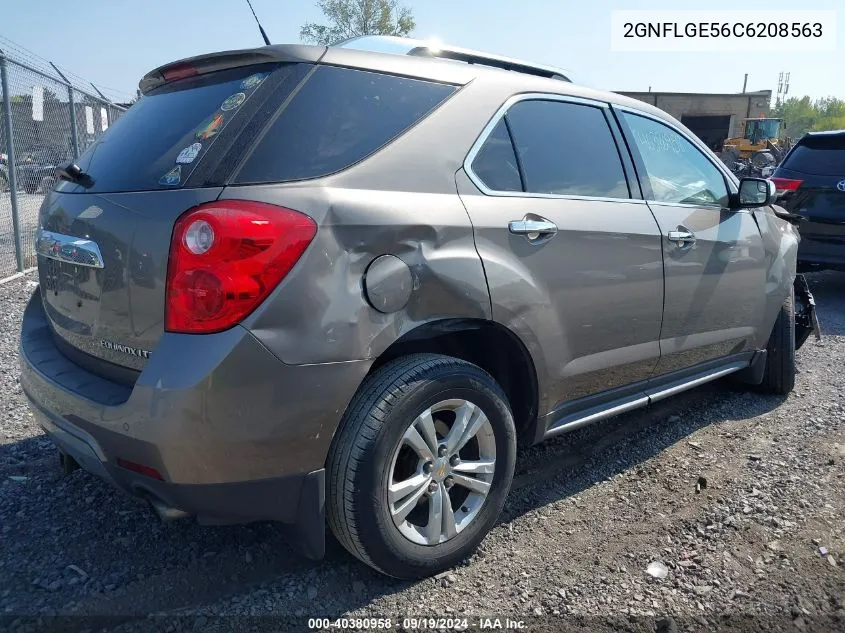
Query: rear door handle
x=681 y=237
x=532 y=228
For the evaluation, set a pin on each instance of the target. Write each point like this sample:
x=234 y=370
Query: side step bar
x=642 y=399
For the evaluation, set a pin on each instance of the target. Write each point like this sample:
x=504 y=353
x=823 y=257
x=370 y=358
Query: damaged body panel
x=331 y=320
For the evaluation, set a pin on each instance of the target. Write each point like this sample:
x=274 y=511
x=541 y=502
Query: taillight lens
x=786 y=184
x=226 y=257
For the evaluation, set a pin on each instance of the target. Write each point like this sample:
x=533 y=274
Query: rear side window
x=338 y=118
x=819 y=155
x=162 y=138
x=566 y=149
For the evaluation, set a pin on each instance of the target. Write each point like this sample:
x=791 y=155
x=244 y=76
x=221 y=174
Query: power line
x=57 y=72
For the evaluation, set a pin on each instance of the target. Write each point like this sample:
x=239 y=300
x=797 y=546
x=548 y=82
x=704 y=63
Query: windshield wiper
x=73 y=173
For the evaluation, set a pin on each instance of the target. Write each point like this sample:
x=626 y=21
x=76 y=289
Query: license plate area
x=71 y=292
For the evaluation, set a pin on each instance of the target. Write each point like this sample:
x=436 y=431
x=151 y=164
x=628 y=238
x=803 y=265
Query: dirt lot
x=740 y=496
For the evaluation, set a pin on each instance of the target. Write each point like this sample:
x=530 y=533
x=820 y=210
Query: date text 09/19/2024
x=411 y=624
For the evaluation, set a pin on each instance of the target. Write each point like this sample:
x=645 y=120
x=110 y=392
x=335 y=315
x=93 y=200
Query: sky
x=114 y=43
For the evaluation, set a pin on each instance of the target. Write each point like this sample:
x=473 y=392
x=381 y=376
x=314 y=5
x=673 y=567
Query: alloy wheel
x=441 y=472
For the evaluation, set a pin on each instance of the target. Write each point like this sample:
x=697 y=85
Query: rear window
x=338 y=118
x=162 y=138
x=819 y=155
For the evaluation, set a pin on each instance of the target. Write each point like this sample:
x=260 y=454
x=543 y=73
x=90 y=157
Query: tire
x=779 y=375
x=30 y=187
x=369 y=450
x=4 y=183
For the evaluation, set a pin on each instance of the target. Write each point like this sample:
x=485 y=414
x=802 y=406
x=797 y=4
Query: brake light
x=225 y=258
x=180 y=71
x=786 y=184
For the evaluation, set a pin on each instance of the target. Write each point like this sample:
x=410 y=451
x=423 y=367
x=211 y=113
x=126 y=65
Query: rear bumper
x=815 y=255
x=235 y=434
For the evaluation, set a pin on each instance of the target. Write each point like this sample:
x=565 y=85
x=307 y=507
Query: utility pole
x=745 y=83
x=783 y=87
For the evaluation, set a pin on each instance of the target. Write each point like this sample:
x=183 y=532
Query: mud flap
x=308 y=534
x=806 y=320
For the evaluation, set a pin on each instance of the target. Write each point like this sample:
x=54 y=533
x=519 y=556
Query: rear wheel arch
x=487 y=344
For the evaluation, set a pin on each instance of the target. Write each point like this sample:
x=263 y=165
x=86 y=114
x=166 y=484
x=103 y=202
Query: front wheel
x=779 y=375
x=421 y=466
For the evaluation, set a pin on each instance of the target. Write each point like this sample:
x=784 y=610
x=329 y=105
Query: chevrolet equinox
x=337 y=286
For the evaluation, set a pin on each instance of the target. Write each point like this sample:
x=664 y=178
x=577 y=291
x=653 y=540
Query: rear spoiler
x=202 y=64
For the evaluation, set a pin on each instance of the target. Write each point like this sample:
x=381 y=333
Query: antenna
x=260 y=28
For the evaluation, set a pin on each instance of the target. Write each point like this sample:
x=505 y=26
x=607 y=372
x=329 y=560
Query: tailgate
x=102 y=264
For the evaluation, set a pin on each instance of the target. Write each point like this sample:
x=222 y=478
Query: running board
x=641 y=399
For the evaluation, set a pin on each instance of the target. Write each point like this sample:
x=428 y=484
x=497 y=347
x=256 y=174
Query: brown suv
x=300 y=283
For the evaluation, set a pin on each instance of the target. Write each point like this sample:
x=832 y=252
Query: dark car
x=330 y=286
x=37 y=169
x=811 y=184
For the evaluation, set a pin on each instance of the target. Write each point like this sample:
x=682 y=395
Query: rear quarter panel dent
x=319 y=313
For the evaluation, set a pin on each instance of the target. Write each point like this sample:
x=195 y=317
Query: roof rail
x=422 y=48
x=488 y=59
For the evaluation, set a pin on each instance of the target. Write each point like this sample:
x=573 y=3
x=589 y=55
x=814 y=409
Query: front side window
x=677 y=170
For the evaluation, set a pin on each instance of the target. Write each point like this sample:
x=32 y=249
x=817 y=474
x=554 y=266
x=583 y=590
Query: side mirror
x=755 y=192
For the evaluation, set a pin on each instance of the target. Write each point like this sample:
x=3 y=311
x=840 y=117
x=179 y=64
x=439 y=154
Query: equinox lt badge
x=125 y=349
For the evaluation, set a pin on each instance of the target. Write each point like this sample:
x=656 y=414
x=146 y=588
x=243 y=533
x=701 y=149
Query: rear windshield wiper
x=73 y=173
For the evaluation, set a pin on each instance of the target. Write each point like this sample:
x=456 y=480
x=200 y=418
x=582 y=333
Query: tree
x=801 y=115
x=353 y=18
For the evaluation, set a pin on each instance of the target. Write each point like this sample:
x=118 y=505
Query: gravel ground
x=736 y=500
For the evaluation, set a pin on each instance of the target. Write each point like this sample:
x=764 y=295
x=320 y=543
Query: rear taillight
x=225 y=258
x=180 y=71
x=786 y=184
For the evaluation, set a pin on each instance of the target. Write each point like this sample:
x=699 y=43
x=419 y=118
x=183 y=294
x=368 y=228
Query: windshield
x=757 y=129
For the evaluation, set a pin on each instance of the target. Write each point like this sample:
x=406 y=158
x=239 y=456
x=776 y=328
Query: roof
x=389 y=58
x=827 y=133
x=422 y=48
x=395 y=48
x=756 y=93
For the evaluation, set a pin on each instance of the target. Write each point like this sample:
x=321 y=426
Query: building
x=712 y=117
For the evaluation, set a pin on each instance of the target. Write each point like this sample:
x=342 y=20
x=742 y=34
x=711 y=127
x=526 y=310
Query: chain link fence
x=47 y=120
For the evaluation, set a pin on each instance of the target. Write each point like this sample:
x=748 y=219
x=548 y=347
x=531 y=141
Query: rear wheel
x=422 y=464
x=779 y=375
